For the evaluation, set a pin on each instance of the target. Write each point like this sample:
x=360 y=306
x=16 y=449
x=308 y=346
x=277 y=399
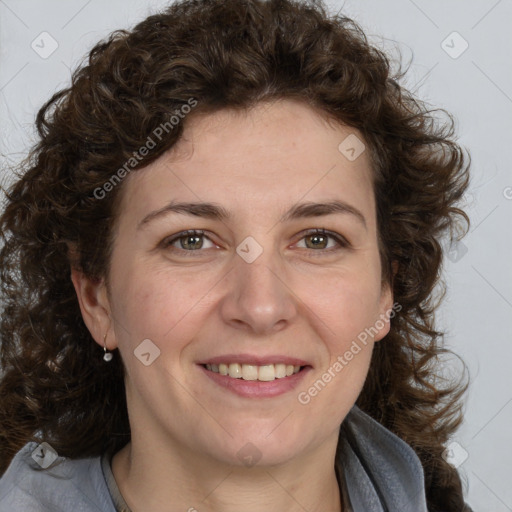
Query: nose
x=258 y=296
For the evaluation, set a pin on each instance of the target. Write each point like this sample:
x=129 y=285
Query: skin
x=295 y=299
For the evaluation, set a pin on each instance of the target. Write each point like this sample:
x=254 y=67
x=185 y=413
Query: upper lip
x=255 y=360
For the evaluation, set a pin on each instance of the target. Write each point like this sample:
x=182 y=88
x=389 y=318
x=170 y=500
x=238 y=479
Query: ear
x=95 y=307
x=387 y=308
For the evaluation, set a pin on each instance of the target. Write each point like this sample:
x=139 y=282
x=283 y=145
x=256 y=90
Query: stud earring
x=107 y=356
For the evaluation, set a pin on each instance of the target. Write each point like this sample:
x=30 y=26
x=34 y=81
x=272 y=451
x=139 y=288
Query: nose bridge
x=257 y=293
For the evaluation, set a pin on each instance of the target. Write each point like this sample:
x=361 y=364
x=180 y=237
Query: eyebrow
x=216 y=212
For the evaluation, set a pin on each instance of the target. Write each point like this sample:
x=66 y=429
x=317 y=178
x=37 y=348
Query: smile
x=264 y=373
x=255 y=380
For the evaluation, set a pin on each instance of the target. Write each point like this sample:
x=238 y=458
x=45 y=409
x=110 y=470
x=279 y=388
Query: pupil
x=316 y=237
x=193 y=237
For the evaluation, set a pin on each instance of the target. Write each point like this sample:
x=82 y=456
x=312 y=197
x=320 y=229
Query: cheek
x=155 y=304
x=347 y=309
x=347 y=303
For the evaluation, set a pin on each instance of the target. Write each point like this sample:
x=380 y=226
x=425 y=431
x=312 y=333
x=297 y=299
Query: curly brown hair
x=225 y=54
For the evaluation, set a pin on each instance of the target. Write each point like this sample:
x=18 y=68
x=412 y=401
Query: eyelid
x=342 y=242
x=168 y=241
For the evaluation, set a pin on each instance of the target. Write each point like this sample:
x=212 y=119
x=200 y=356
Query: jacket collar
x=381 y=472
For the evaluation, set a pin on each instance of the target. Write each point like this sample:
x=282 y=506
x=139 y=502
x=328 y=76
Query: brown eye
x=187 y=241
x=318 y=240
x=191 y=242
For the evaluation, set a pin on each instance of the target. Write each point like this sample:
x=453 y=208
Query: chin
x=255 y=449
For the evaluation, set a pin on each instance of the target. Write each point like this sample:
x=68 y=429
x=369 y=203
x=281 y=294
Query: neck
x=150 y=478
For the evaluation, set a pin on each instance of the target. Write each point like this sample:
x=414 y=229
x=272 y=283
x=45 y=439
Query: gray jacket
x=381 y=474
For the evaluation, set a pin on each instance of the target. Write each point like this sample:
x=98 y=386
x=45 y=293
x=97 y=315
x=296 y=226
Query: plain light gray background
x=475 y=85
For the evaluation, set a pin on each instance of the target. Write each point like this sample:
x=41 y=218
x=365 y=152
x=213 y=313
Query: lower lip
x=257 y=388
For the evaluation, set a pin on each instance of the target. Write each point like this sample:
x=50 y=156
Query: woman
x=241 y=206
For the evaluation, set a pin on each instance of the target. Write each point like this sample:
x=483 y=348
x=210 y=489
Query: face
x=257 y=289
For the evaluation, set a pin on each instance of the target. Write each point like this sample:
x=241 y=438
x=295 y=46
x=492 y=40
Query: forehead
x=280 y=152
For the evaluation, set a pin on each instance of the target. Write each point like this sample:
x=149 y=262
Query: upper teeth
x=252 y=372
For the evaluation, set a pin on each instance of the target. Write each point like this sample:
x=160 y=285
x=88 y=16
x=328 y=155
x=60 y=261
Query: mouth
x=250 y=372
x=255 y=377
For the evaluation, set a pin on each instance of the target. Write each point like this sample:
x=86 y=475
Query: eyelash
x=340 y=240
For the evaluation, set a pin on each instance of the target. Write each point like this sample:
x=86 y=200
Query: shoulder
x=38 y=480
